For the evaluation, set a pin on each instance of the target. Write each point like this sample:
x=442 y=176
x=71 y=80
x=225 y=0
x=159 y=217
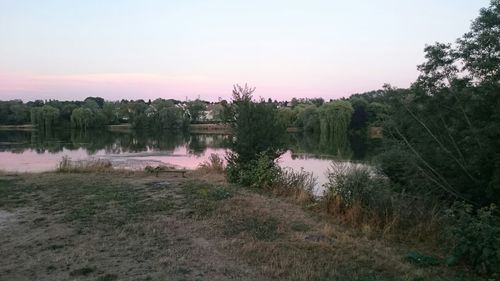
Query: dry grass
x=186 y=229
x=211 y=170
x=328 y=230
x=214 y=164
x=359 y=197
x=324 y=250
x=297 y=185
x=66 y=165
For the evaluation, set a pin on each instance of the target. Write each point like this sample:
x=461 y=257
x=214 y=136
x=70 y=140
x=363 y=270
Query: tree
x=257 y=133
x=44 y=117
x=447 y=125
x=479 y=49
x=196 y=109
x=81 y=118
x=334 y=120
x=97 y=100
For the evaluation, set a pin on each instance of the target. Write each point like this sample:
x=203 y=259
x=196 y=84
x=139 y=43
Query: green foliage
x=476 y=237
x=479 y=49
x=446 y=125
x=95 y=112
x=259 y=140
x=354 y=183
x=14 y=112
x=262 y=172
x=308 y=118
x=162 y=115
x=286 y=116
x=82 y=118
x=195 y=109
x=401 y=167
x=45 y=117
x=334 y=121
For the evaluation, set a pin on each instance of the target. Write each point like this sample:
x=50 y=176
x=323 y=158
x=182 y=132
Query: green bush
x=262 y=173
x=356 y=183
x=476 y=237
x=359 y=194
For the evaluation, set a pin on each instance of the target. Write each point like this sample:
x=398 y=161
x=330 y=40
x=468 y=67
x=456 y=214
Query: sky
x=145 y=49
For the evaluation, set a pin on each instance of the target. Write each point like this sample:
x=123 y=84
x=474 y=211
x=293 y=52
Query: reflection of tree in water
x=165 y=141
x=116 y=142
x=14 y=141
x=112 y=142
x=314 y=144
x=90 y=140
x=198 y=143
x=47 y=140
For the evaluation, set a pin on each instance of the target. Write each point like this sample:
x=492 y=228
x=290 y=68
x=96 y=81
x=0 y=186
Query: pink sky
x=70 y=50
x=147 y=86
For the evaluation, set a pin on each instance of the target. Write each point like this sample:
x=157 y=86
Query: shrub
x=476 y=237
x=351 y=183
x=359 y=194
x=261 y=173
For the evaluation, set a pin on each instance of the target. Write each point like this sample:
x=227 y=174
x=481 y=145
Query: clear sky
x=68 y=49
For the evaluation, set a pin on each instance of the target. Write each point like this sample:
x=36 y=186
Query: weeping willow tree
x=44 y=117
x=334 y=120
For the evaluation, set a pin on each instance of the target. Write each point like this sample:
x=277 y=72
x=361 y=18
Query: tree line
x=95 y=112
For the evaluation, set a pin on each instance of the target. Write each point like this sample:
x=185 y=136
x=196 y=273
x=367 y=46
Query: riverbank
x=124 y=225
x=27 y=127
x=215 y=128
x=209 y=128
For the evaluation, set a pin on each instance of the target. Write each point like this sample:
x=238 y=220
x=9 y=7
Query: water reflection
x=34 y=151
x=110 y=142
x=313 y=145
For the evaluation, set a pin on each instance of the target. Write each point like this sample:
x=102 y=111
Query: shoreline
x=25 y=127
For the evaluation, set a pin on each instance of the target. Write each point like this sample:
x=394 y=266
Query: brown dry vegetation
x=135 y=226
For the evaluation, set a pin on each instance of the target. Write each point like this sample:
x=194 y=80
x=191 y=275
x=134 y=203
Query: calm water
x=31 y=151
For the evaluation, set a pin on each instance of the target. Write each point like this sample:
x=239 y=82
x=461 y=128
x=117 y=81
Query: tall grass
x=66 y=165
x=297 y=184
x=359 y=195
x=215 y=164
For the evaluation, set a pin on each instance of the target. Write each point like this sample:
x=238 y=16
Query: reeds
x=66 y=165
x=359 y=196
x=215 y=164
x=296 y=184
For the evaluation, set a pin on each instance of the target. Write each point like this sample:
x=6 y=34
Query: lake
x=32 y=151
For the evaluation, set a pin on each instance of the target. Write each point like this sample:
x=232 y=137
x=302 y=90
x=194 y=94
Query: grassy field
x=135 y=226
